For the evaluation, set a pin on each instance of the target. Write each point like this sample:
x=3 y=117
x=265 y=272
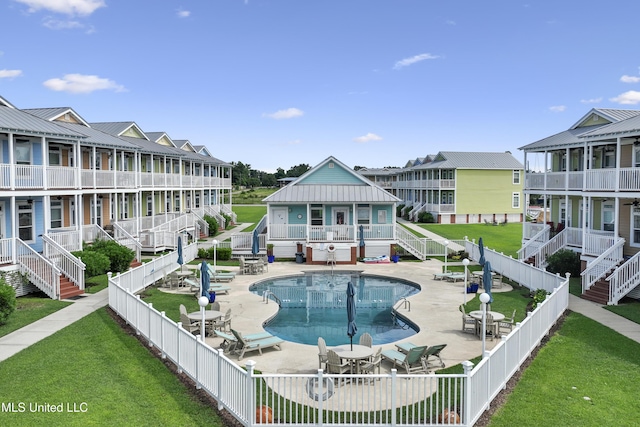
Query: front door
x=279 y=223
x=341 y=220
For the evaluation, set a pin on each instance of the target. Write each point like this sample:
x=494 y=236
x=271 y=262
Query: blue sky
x=276 y=83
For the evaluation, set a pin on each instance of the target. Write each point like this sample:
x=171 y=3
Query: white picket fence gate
x=316 y=399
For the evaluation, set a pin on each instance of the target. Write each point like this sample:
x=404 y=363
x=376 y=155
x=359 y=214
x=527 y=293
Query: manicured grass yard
x=94 y=362
x=587 y=375
x=28 y=310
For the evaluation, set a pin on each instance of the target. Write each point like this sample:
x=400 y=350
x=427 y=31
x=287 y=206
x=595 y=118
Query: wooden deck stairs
x=68 y=289
x=598 y=292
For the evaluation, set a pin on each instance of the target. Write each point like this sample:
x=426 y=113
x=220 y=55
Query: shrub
x=426 y=217
x=223 y=254
x=120 y=257
x=213 y=225
x=96 y=263
x=563 y=261
x=399 y=210
x=538 y=296
x=203 y=253
x=7 y=300
x=227 y=219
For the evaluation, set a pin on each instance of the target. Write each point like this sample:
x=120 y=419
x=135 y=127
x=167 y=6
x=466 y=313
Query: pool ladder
x=268 y=294
x=406 y=303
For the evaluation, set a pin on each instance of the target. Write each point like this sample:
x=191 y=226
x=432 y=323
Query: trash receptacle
x=299 y=257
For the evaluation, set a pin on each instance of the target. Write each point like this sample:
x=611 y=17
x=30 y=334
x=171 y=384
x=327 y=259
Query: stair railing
x=624 y=279
x=65 y=261
x=533 y=244
x=123 y=237
x=41 y=271
x=606 y=262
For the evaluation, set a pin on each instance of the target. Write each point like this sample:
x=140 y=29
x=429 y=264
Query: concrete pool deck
x=434 y=309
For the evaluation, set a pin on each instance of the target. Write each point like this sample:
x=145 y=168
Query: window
x=636 y=155
x=635 y=227
x=516 y=177
x=176 y=205
x=56 y=214
x=515 y=200
x=609 y=158
x=97 y=162
x=149 y=205
x=607 y=216
x=382 y=217
x=363 y=215
x=22 y=152
x=124 y=207
x=316 y=215
x=54 y=157
x=25 y=223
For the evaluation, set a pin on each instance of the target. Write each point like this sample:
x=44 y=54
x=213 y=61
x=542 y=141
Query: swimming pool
x=313 y=305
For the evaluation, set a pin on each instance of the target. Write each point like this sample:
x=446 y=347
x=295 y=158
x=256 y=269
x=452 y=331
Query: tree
x=298 y=170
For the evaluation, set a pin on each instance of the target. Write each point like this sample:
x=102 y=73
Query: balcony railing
x=628 y=179
x=60 y=177
x=329 y=233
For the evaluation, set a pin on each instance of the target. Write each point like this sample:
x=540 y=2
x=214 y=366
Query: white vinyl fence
x=331 y=400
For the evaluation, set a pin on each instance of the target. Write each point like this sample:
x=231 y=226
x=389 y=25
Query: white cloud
x=66 y=7
x=630 y=97
x=295 y=142
x=630 y=79
x=184 y=13
x=558 y=108
x=289 y=113
x=412 y=60
x=9 y=74
x=591 y=101
x=54 y=24
x=450 y=22
x=367 y=138
x=79 y=83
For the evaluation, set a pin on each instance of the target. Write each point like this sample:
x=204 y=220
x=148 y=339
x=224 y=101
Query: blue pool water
x=314 y=305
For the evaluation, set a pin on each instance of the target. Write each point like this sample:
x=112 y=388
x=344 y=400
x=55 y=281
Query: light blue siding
x=335 y=175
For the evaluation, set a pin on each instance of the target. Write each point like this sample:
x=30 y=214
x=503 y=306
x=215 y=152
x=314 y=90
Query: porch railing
x=71 y=266
x=532 y=245
x=599 y=267
x=121 y=236
x=41 y=271
x=6 y=251
x=624 y=279
x=69 y=238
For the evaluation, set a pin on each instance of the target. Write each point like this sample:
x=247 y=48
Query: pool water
x=314 y=305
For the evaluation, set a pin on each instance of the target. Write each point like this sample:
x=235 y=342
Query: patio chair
x=259 y=344
x=193 y=286
x=322 y=353
x=432 y=357
x=244 y=267
x=215 y=306
x=370 y=366
x=412 y=362
x=223 y=323
x=506 y=326
x=190 y=325
x=229 y=341
x=335 y=365
x=183 y=309
x=366 y=339
x=331 y=258
x=469 y=324
x=491 y=327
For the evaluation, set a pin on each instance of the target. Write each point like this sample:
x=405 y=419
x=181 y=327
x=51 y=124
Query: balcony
x=623 y=179
x=329 y=233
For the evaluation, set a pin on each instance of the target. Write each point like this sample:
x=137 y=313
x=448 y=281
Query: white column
x=12 y=171
x=45 y=163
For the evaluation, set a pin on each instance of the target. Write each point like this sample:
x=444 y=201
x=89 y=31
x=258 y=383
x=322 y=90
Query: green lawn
x=250 y=214
x=503 y=238
x=587 y=375
x=251 y=196
x=95 y=365
x=29 y=309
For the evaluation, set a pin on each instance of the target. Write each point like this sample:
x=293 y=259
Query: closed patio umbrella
x=487 y=280
x=205 y=280
x=361 y=242
x=255 y=243
x=351 y=312
x=481 y=261
x=180 y=260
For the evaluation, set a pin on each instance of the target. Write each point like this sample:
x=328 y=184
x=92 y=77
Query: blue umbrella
x=481 y=261
x=180 y=260
x=351 y=312
x=205 y=280
x=255 y=244
x=487 y=280
x=361 y=235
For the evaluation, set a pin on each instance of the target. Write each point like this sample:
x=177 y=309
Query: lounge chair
x=217 y=288
x=454 y=277
x=412 y=362
x=441 y=276
x=259 y=344
x=230 y=342
x=432 y=357
x=219 y=276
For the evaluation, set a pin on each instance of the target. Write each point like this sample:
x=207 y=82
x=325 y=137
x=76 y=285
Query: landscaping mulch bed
x=230 y=421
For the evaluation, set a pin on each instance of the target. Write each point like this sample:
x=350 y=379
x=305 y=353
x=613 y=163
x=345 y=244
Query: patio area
x=434 y=309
